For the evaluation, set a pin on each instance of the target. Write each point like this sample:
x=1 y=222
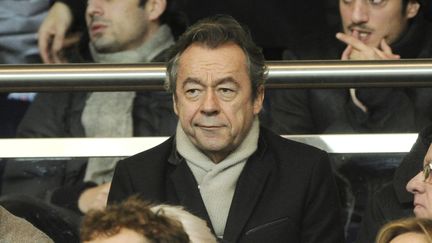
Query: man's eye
x=376 y=2
x=191 y=93
x=227 y=93
x=347 y=1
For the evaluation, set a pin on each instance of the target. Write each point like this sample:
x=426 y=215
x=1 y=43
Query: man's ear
x=412 y=9
x=155 y=8
x=175 y=103
x=259 y=99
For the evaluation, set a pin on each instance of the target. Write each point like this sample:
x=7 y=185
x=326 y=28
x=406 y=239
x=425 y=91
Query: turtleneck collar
x=160 y=41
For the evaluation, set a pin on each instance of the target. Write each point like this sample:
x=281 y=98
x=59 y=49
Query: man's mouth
x=209 y=127
x=361 y=35
x=417 y=204
x=97 y=28
x=212 y=126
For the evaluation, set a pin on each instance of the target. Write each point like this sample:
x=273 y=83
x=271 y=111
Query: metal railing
x=283 y=74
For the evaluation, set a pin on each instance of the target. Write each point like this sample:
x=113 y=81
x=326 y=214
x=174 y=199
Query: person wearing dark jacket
x=127 y=31
x=65 y=26
x=393 y=201
x=400 y=31
x=250 y=184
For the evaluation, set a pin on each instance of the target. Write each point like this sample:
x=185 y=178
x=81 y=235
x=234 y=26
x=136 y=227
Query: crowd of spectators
x=208 y=172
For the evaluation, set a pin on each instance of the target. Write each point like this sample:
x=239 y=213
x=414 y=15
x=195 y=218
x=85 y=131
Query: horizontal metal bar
x=122 y=147
x=283 y=74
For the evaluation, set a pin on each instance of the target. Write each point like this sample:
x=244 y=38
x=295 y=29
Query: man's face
x=422 y=190
x=116 y=25
x=213 y=98
x=373 y=20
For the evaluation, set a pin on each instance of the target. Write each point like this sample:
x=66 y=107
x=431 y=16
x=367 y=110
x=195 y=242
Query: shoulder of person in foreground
x=14 y=229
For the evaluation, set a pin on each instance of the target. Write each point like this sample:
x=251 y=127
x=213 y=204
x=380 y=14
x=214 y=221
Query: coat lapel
x=248 y=191
x=186 y=189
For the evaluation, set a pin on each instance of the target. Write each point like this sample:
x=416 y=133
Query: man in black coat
x=250 y=184
x=372 y=30
x=127 y=31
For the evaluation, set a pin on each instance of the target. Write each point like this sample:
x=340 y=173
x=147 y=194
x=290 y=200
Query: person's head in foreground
x=408 y=230
x=421 y=187
x=131 y=221
x=216 y=74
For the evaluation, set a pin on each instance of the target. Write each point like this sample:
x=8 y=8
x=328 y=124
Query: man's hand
x=51 y=35
x=357 y=50
x=94 y=198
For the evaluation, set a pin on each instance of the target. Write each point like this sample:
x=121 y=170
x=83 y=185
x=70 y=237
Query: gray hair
x=214 y=32
x=195 y=227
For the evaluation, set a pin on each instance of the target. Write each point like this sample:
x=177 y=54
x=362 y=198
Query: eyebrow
x=227 y=80
x=224 y=80
x=190 y=80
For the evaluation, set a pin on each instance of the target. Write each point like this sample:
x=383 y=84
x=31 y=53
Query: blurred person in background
x=120 y=31
x=370 y=30
x=19 y=23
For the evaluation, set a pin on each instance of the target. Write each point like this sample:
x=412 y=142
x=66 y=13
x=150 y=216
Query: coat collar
x=414 y=40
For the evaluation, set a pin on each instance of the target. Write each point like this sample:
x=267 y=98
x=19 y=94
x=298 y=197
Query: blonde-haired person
x=194 y=226
x=407 y=230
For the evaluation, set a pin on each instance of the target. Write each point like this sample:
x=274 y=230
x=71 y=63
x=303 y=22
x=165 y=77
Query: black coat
x=285 y=193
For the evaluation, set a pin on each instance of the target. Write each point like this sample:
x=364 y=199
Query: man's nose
x=360 y=12
x=210 y=104
x=94 y=7
x=416 y=184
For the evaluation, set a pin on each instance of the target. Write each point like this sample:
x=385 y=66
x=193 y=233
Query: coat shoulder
x=152 y=157
x=287 y=146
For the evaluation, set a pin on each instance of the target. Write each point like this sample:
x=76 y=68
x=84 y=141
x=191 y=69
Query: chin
x=421 y=214
x=212 y=147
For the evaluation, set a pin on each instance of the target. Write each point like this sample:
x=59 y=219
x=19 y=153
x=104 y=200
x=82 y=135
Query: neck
x=217 y=156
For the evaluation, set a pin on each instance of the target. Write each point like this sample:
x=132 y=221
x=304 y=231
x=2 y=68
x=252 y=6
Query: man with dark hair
x=371 y=30
x=65 y=24
x=131 y=221
x=248 y=183
x=120 y=31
